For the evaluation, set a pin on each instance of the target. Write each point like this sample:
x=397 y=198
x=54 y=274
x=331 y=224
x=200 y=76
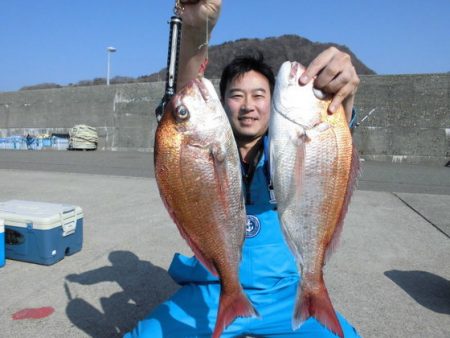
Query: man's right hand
x=195 y=13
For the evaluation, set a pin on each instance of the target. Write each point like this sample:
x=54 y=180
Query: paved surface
x=390 y=276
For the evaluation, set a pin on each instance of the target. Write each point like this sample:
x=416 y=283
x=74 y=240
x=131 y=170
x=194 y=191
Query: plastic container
x=42 y=233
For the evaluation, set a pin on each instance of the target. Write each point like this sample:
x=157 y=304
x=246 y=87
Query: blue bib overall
x=268 y=274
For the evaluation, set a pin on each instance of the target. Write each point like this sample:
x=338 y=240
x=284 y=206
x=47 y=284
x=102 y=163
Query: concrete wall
x=411 y=121
x=122 y=114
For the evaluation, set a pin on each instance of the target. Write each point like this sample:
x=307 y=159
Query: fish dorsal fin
x=351 y=186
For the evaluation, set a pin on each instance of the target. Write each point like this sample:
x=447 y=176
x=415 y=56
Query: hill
x=276 y=50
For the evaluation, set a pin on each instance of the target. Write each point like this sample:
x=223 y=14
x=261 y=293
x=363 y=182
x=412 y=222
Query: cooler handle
x=69 y=224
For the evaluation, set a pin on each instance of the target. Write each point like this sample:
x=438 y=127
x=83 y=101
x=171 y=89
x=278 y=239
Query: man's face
x=247 y=104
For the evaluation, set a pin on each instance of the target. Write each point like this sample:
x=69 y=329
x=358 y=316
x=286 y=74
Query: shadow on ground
x=427 y=289
x=143 y=284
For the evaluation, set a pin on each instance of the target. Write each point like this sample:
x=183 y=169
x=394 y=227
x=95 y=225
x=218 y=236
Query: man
x=267 y=272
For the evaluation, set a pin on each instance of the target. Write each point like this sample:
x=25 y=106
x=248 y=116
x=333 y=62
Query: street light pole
x=109 y=50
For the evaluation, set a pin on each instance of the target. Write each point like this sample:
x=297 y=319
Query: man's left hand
x=335 y=74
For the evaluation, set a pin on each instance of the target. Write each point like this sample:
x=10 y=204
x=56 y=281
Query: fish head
x=303 y=105
x=195 y=109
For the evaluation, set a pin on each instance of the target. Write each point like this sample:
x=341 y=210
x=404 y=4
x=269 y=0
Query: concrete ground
x=390 y=277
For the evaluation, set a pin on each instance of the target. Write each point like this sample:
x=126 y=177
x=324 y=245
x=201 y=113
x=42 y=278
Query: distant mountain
x=276 y=50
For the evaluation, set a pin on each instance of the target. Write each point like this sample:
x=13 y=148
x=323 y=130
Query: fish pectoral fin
x=299 y=168
x=217 y=151
x=318 y=129
x=290 y=174
x=322 y=126
x=218 y=154
x=300 y=137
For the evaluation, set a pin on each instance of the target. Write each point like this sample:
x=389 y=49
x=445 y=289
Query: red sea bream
x=198 y=174
x=314 y=168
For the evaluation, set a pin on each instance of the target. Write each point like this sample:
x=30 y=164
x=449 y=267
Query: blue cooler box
x=2 y=243
x=42 y=233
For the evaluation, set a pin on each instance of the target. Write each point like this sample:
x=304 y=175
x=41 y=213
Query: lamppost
x=109 y=50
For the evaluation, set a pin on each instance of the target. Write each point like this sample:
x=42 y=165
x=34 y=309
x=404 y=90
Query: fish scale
x=314 y=167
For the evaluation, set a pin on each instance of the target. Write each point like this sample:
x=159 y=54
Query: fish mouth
x=195 y=87
x=293 y=70
x=296 y=70
x=202 y=88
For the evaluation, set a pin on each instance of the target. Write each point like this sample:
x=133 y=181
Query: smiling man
x=246 y=96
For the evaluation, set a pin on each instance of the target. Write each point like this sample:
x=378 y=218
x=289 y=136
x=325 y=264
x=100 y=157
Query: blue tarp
x=19 y=142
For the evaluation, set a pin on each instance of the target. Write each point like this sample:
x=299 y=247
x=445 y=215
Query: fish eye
x=182 y=113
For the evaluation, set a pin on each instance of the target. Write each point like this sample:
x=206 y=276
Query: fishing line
x=206 y=37
x=202 y=68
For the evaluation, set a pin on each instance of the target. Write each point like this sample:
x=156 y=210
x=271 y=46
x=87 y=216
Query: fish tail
x=316 y=303
x=231 y=306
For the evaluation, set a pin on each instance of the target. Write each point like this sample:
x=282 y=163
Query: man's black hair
x=243 y=64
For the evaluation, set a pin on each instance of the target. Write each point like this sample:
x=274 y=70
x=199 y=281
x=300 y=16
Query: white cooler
x=42 y=233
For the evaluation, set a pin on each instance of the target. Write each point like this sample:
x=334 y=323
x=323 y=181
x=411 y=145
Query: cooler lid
x=36 y=212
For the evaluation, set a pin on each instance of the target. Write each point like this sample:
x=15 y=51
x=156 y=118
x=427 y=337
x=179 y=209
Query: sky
x=65 y=41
